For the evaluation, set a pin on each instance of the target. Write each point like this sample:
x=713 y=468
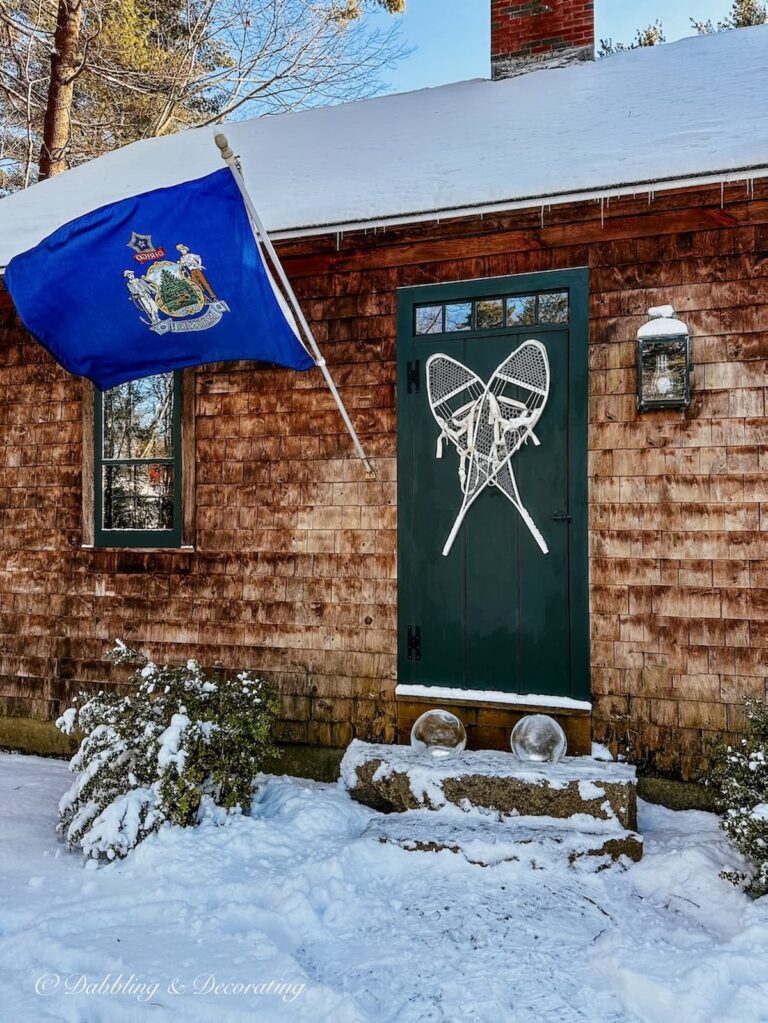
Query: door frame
x=576 y=282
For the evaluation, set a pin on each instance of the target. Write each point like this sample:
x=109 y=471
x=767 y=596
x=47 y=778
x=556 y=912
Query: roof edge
x=722 y=177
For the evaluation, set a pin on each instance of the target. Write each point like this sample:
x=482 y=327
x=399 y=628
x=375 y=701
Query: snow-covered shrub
x=182 y=739
x=741 y=775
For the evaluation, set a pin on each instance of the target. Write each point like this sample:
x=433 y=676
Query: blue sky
x=450 y=38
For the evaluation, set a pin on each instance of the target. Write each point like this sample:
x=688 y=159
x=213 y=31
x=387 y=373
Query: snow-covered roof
x=671 y=114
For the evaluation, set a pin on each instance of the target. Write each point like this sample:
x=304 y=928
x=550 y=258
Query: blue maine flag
x=166 y=279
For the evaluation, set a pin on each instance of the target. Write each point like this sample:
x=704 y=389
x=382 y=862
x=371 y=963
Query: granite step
x=394 y=779
x=535 y=841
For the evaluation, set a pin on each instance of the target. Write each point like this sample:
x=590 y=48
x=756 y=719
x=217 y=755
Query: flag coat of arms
x=162 y=280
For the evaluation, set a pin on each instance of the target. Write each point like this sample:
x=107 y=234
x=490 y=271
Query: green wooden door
x=496 y=613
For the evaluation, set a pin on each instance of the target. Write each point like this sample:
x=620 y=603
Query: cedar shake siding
x=293 y=571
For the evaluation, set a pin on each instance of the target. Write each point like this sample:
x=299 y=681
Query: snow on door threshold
x=435 y=693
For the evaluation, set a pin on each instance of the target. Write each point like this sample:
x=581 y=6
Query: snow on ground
x=349 y=930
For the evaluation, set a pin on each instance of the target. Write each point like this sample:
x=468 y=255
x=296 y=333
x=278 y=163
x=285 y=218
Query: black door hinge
x=414 y=642
x=413 y=377
x=561 y=517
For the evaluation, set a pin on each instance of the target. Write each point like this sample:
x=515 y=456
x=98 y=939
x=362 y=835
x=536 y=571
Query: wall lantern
x=663 y=361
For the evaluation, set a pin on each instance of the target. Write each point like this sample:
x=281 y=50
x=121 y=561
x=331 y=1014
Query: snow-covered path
x=359 y=931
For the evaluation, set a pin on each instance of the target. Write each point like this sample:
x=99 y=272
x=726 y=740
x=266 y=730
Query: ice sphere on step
x=439 y=733
x=538 y=739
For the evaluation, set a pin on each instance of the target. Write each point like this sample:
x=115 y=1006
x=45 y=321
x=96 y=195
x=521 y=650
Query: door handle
x=561 y=517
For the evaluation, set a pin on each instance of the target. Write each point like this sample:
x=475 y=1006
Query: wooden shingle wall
x=293 y=571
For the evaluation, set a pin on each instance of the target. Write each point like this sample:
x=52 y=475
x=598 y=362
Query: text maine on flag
x=175 y=278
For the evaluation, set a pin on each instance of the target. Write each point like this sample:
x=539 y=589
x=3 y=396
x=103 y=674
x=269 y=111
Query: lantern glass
x=663 y=368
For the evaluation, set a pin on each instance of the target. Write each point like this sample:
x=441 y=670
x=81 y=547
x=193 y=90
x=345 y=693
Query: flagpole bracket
x=370 y=474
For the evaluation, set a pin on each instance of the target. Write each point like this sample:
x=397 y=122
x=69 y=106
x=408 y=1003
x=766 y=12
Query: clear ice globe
x=538 y=739
x=439 y=733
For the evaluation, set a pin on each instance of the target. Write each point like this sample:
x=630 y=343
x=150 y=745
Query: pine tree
x=743 y=14
x=176 y=293
x=650 y=36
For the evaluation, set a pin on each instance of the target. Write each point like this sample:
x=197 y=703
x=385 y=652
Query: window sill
x=185 y=549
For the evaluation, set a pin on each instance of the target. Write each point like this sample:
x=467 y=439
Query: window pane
x=138 y=497
x=489 y=313
x=521 y=309
x=553 y=308
x=429 y=319
x=458 y=316
x=138 y=419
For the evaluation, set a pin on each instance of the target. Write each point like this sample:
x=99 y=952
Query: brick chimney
x=527 y=35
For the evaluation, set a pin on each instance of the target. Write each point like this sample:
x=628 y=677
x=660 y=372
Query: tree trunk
x=64 y=67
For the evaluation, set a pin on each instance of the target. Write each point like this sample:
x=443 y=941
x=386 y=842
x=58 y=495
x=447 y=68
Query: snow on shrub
x=181 y=740
x=741 y=775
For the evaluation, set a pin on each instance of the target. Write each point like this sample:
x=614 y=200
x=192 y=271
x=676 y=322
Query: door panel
x=516 y=633
x=496 y=613
x=438 y=582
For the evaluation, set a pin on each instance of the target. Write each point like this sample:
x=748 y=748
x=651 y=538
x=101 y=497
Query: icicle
x=602 y=212
x=542 y=216
x=722 y=194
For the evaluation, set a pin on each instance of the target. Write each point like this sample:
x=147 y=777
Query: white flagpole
x=263 y=238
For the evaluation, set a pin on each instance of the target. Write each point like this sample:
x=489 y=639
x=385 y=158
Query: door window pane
x=521 y=310
x=489 y=313
x=553 y=307
x=458 y=316
x=429 y=319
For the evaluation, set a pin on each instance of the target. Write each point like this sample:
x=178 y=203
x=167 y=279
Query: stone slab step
x=535 y=841
x=394 y=779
